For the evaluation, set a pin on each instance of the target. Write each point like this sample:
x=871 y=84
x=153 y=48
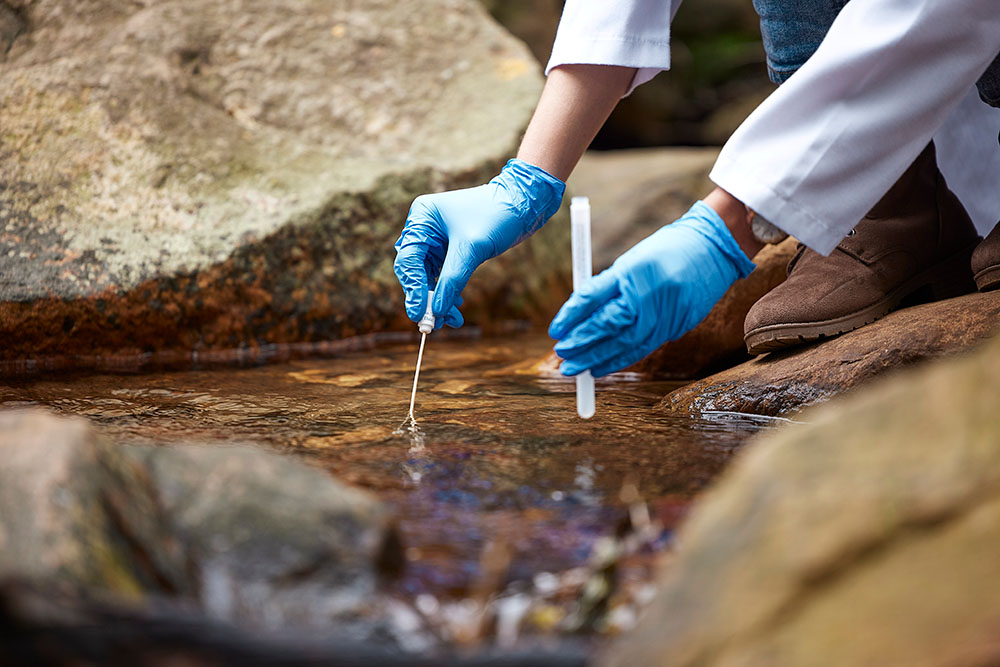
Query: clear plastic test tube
x=579 y=216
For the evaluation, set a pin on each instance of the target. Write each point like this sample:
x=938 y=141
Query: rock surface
x=245 y=535
x=11 y=25
x=186 y=176
x=867 y=537
x=780 y=383
x=635 y=192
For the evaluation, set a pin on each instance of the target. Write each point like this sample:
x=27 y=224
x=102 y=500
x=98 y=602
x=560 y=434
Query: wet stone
x=784 y=382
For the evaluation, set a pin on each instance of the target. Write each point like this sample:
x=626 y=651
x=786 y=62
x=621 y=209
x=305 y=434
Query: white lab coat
x=824 y=147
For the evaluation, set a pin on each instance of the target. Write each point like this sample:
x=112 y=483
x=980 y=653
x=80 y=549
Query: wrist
x=543 y=191
x=737 y=218
x=522 y=168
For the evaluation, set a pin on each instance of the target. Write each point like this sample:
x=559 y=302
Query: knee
x=792 y=30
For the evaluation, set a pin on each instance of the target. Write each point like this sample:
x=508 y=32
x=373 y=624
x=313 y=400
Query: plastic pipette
x=579 y=221
x=424 y=326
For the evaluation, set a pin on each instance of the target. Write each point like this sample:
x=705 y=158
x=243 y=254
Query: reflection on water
x=418 y=444
x=497 y=458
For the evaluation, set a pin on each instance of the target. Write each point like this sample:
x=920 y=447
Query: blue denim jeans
x=793 y=29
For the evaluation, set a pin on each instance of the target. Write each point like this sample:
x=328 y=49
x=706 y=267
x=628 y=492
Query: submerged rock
x=782 y=382
x=182 y=175
x=867 y=537
x=634 y=193
x=241 y=534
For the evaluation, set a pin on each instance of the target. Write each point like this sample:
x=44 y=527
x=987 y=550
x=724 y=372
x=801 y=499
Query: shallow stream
x=506 y=493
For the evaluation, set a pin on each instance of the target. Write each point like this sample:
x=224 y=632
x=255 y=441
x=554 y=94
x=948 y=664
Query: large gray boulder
x=189 y=175
x=869 y=536
x=242 y=534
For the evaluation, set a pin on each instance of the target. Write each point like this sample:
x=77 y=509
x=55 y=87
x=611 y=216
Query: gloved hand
x=655 y=292
x=448 y=235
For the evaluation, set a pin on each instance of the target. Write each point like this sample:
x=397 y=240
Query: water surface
x=507 y=489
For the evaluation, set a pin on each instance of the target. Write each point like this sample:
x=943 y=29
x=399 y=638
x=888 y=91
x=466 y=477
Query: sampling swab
x=424 y=326
x=579 y=217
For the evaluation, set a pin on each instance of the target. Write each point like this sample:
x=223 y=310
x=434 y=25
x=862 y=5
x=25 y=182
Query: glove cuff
x=537 y=192
x=718 y=233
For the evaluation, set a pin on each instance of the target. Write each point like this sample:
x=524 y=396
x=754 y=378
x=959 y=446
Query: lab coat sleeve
x=632 y=33
x=825 y=146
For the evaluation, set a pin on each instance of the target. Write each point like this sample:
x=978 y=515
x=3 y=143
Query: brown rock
x=635 y=192
x=867 y=537
x=182 y=176
x=779 y=383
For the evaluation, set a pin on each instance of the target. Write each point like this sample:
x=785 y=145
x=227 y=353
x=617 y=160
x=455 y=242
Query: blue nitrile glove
x=657 y=291
x=449 y=234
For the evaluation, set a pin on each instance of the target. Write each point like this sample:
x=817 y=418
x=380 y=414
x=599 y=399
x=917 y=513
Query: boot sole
x=940 y=280
x=988 y=279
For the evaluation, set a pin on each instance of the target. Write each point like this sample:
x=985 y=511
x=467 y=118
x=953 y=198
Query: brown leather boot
x=986 y=261
x=915 y=244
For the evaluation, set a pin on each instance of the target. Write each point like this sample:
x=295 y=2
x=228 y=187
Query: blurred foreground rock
x=635 y=192
x=782 y=382
x=241 y=534
x=183 y=175
x=867 y=537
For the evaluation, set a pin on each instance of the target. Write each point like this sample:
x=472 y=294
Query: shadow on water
x=498 y=462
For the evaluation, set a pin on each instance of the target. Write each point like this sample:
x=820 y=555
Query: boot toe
x=800 y=311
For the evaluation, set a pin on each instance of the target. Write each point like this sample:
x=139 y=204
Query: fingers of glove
x=609 y=321
x=454 y=318
x=411 y=270
x=595 y=357
x=605 y=357
x=619 y=362
x=458 y=266
x=598 y=354
x=595 y=293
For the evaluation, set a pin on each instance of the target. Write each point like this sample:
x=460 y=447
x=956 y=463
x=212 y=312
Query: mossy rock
x=182 y=176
